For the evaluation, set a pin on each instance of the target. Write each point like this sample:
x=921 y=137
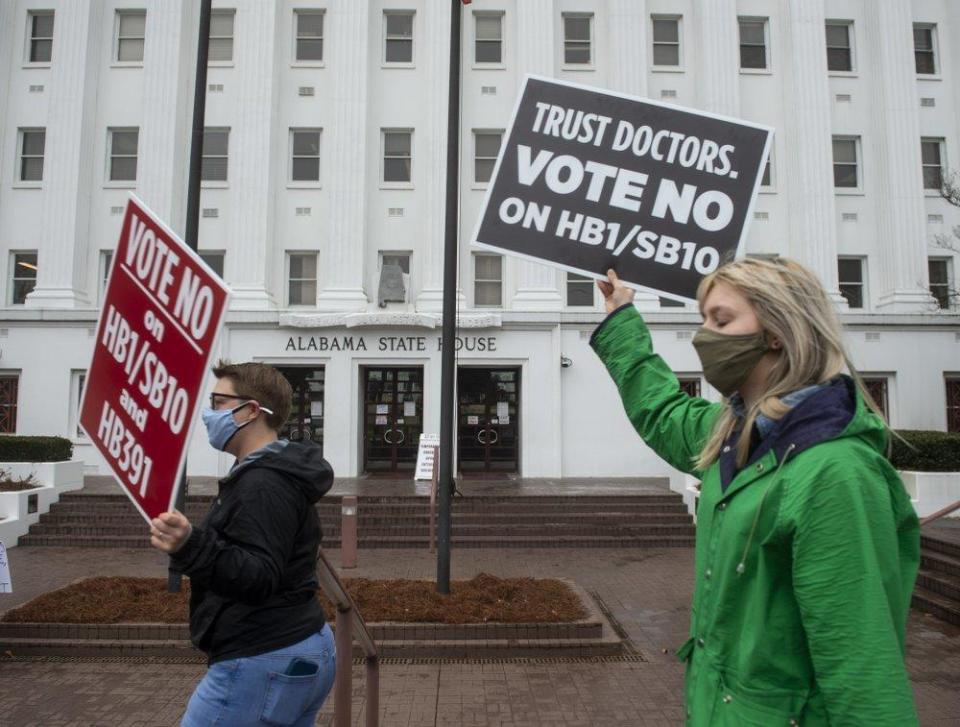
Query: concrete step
x=402 y=541
x=939 y=563
x=940 y=606
x=946 y=585
x=334 y=500
x=938 y=545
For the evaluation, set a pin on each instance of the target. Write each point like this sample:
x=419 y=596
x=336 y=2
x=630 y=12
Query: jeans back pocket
x=287 y=697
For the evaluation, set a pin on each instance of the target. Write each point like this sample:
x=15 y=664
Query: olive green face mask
x=728 y=360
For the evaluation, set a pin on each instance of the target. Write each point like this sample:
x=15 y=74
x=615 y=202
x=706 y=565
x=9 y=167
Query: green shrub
x=15 y=448
x=926 y=451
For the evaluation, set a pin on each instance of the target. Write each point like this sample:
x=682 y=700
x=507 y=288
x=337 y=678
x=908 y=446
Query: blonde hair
x=792 y=307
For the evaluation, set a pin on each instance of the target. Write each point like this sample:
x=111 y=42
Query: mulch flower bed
x=483 y=599
x=10 y=485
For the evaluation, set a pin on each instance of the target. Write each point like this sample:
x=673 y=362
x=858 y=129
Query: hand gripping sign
x=160 y=318
x=589 y=180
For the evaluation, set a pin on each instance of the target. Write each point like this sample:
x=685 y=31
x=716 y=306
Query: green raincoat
x=805 y=562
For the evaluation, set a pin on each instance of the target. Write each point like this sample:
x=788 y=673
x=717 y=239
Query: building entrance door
x=306 y=414
x=392 y=419
x=488 y=423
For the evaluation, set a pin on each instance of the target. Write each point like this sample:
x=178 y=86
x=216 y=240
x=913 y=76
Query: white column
x=68 y=157
x=627 y=32
x=808 y=166
x=536 y=284
x=253 y=166
x=717 y=38
x=345 y=146
x=432 y=147
x=895 y=153
x=168 y=78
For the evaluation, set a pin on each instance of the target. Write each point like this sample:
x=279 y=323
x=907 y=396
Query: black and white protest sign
x=589 y=180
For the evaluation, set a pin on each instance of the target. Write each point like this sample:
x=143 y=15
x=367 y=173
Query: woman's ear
x=775 y=344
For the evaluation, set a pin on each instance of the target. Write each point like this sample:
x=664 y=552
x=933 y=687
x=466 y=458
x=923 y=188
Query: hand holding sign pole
x=159 y=322
x=589 y=180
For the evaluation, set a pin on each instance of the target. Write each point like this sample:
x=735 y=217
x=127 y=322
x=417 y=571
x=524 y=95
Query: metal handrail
x=349 y=621
x=940 y=513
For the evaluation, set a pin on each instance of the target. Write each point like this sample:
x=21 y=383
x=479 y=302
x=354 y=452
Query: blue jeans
x=254 y=690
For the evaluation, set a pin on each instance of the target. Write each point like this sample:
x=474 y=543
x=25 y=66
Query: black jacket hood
x=301 y=463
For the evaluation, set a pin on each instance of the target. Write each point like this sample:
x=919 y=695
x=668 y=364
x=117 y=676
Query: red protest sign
x=159 y=320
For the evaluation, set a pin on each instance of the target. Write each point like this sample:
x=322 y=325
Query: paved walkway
x=647 y=591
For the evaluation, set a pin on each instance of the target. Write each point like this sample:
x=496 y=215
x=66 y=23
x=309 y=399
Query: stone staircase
x=495 y=521
x=938 y=582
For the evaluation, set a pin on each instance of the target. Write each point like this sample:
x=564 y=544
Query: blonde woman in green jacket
x=807 y=544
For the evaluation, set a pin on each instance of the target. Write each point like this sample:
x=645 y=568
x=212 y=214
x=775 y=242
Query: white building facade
x=323 y=202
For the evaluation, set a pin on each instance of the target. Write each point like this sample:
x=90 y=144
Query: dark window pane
x=488 y=27
x=43 y=25
x=123 y=169
x=753 y=57
x=399 y=25
x=489 y=267
x=925 y=62
x=130 y=50
x=125 y=142
x=751 y=32
x=306 y=170
x=215 y=143
x=33 y=142
x=487 y=293
x=309 y=25
x=938 y=272
x=765 y=181
x=306 y=143
x=396 y=170
x=932 y=178
x=396 y=144
x=214 y=260
x=666 y=31
x=399 y=51
x=844 y=175
x=923 y=38
x=850 y=270
x=488 y=145
x=309 y=50
x=838 y=36
x=214 y=169
x=930 y=152
x=839 y=59
x=483 y=169
x=670 y=303
x=853 y=294
x=576 y=53
x=221 y=25
x=845 y=151
x=579 y=290
x=41 y=51
x=132 y=25
x=221 y=49
x=577 y=28
x=488 y=51
x=666 y=55
x=21 y=289
x=31 y=170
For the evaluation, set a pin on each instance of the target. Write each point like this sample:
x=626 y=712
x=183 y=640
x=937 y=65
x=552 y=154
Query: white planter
x=55 y=479
x=932 y=491
x=685 y=485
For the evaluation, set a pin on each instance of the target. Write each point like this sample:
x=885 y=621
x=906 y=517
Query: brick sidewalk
x=647 y=591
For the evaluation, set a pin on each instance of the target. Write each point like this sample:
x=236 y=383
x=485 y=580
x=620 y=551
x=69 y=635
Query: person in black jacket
x=252 y=563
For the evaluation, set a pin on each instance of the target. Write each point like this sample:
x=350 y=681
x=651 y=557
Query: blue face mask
x=221 y=426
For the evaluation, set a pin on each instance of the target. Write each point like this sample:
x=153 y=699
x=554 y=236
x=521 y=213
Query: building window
x=753 y=43
x=952 y=383
x=487 y=281
x=214 y=260
x=221 y=36
x=941 y=281
x=766 y=180
x=579 y=290
x=845 y=163
x=488 y=45
x=32 y=143
x=850 y=275
x=931 y=154
x=666 y=41
x=398 y=37
x=690 y=385
x=839 y=45
x=577 y=39
x=41 y=36
x=671 y=303
x=123 y=155
x=78 y=379
x=309 y=41
x=876 y=386
x=9 y=385
x=214 y=163
x=23 y=275
x=925 y=49
x=106 y=260
x=397 y=155
x=486 y=147
x=302 y=278
x=305 y=155
x=131 y=31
